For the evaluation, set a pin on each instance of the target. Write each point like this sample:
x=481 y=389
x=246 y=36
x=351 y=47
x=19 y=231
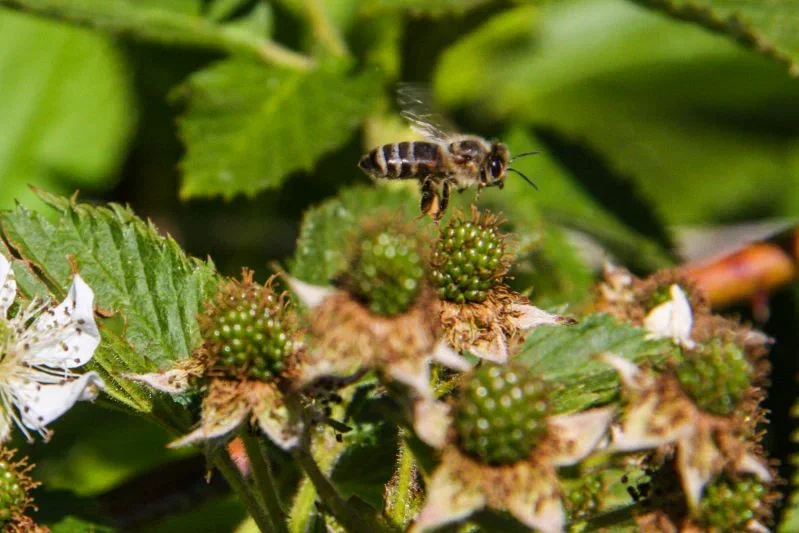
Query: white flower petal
x=214 y=426
x=647 y=425
x=310 y=295
x=525 y=316
x=41 y=404
x=68 y=334
x=431 y=421
x=448 y=357
x=172 y=381
x=672 y=319
x=579 y=434
x=448 y=501
x=8 y=286
x=537 y=503
x=494 y=350
x=750 y=464
x=753 y=526
x=628 y=371
x=5 y=427
x=275 y=419
x=415 y=373
x=698 y=460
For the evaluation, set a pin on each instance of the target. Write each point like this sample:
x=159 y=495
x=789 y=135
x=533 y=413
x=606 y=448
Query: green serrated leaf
x=327 y=229
x=142 y=278
x=566 y=356
x=770 y=28
x=46 y=94
x=659 y=101
x=248 y=127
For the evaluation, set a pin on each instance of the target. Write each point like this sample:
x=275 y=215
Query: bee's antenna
x=524 y=177
x=514 y=158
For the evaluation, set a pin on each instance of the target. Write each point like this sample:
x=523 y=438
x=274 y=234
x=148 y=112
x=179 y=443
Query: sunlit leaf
x=566 y=356
x=660 y=101
x=152 y=289
x=248 y=127
x=46 y=95
x=770 y=28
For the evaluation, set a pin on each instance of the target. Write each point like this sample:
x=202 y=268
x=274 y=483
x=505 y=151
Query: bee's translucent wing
x=416 y=104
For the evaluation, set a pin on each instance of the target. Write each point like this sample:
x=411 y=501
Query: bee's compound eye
x=496 y=168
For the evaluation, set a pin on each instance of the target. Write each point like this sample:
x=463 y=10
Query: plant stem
x=165 y=26
x=264 y=481
x=403 y=490
x=344 y=513
x=326 y=33
x=222 y=461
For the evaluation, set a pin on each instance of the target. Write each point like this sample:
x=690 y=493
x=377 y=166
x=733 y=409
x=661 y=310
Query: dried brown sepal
x=631 y=299
x=494 y=328
x=17 y=496
x=347 y=337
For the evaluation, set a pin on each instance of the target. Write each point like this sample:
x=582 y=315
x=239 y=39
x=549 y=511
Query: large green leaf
x=173 y=22
x=152 y=289
x=771 y=28
x=248 y=127
x=566 y=356
x=46 y=93
x=660 y=101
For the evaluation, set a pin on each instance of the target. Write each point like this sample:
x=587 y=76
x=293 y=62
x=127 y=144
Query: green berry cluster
x=248 y=332
x=14 y=485
x=386 y=272
x=728 y=505
x=468 y=260
x=716 y=376
x=585 y=497
x=501 y=414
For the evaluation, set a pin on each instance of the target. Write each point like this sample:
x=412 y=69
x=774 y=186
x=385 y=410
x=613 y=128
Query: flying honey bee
x=444 y=161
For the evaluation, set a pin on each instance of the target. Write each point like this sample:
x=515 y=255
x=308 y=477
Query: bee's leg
x=431 y=203
x=478 y=191
x=446 y=188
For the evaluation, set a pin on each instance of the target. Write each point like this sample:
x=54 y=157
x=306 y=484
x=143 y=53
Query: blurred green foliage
x=225 y=120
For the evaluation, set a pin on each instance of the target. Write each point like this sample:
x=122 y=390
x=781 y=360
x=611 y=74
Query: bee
x=442 y=162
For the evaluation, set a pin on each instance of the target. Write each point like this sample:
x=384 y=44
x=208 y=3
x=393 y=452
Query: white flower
x=39 y=347
x=672 y=319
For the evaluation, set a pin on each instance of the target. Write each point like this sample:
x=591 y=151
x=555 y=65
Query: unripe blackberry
x=14 y=487
x=469 y=259
x=501 y=414
x=386 y=272
x=729 y=505
x=248 y=331
x=716 y=377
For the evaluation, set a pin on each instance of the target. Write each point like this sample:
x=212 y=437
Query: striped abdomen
x=403 y=160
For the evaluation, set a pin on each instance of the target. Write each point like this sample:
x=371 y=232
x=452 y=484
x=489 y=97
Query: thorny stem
x=403 y=490
x=344 y=513
x=222 y=461
x=263 y=480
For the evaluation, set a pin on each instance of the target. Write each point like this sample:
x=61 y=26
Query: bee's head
x=496 y=165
